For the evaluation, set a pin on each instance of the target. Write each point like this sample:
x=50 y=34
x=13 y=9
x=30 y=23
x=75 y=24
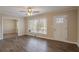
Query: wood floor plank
x=34 y=44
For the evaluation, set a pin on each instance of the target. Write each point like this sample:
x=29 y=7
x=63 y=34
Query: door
x=60 y=28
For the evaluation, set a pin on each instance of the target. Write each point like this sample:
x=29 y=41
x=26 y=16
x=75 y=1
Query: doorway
x=9 y=28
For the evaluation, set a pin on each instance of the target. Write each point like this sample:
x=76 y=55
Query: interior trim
x=78 y=44
x=57 y=40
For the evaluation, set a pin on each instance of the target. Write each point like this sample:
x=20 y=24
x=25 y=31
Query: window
x=60 y=19
x=32 y=26
x=37 y=26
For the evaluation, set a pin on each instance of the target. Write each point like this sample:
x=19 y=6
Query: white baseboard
x=66 y=41
x=58 y=40
x=21 y=34
x=1 y=38
x=62 y=40
x=78 y=44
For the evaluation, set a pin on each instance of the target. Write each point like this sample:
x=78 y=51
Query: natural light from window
x=37 y=25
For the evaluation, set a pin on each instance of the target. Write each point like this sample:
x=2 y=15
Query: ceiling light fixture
x=29 y=11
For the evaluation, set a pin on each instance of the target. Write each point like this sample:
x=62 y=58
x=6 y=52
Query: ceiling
x=21 y=11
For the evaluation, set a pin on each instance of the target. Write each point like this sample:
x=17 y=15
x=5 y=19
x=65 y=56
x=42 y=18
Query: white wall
x=1 y=28
x=72 y=25
x=9 y=26
x=78 y=27
x=20 y=26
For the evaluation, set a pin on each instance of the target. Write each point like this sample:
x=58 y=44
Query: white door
x=60 y=28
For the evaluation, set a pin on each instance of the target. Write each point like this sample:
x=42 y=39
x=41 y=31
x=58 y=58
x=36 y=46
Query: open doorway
x=9 y=28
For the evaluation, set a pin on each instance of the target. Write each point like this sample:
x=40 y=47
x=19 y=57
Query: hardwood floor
x=33 y=44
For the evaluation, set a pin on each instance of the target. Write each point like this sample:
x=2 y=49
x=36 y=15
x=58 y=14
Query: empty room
x=39 y=29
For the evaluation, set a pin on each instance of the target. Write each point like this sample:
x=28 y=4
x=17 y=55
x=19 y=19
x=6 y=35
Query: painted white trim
x=68 y=41
x=0 y=38
x=78 y=44
x=2 y=27
x=65 y=41
x=57 y=40
x=1 y=34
